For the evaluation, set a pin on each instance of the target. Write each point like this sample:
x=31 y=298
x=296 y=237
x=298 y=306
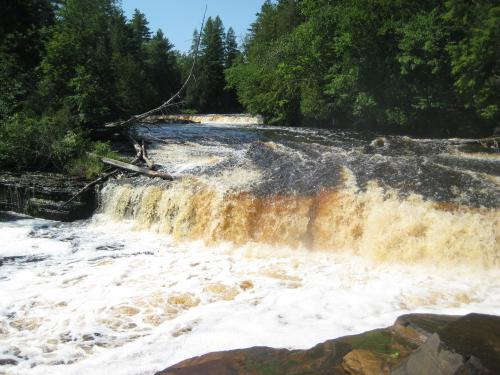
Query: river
x=270 y=236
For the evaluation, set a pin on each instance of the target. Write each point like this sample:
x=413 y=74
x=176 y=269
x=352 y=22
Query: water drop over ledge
x=393 y=198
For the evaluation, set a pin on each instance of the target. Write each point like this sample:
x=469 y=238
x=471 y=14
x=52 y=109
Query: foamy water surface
x=100 y=297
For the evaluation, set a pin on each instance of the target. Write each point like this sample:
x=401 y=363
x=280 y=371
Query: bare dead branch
x=89 y=185
x=170 y=102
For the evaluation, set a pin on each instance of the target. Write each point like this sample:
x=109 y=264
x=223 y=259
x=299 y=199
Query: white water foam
x=107 y=299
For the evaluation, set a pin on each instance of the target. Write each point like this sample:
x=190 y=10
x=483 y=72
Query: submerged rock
x=415 y=344
x=43 y=195
x=7 y=362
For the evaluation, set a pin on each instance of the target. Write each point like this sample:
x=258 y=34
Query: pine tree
x=194 y=43
x=211 y=80
x=21 y=44
x=139 y=27
x=186 y=62
x=76 y=68
x=162 y=67
x=231 y=51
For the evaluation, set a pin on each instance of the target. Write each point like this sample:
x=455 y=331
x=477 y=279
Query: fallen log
x=136 y=169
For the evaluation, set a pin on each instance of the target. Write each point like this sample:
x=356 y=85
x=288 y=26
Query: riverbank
x=44 y=195
x=416 y=344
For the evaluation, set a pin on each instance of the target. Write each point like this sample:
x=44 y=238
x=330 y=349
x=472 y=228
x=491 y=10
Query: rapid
x=269 y=236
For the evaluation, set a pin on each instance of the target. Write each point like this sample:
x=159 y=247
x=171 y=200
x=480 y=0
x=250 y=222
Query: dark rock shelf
x=43 y=195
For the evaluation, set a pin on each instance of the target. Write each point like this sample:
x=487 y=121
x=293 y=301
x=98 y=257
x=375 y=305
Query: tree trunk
x=136 y=169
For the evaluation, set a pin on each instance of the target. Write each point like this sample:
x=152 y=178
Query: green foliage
x=207 y=93
x=231 y=55
x=12 y=87
x=51 y=142
x=218 y=51
x=406 y=64
x=475 y=56
x=30 y=142
x=89 y=165
x=162 y=68
x=22 y=26
x=68 y=67
x=105 y=67
x=86 y=98
x=231 y=51
x=267 y=80
x=377 y=341
x=139 y=27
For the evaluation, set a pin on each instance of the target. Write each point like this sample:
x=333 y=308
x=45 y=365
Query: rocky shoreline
x=43 y=195
x=417 y=344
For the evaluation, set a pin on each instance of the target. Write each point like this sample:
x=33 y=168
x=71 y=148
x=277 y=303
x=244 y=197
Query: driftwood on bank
x=134 y=168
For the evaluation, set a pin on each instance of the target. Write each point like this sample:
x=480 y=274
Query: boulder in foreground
x=417 y=344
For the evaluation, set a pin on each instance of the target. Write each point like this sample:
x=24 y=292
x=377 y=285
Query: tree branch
x=134 y=119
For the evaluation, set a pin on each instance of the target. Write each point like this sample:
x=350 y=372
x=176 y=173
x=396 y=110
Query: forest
x=67 y=67
x=400 y=65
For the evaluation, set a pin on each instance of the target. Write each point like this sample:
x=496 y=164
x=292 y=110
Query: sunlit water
x=278 y=238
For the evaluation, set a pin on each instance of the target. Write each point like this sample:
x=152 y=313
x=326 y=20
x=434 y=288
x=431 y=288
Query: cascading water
x=273 y=236
x=396 y=198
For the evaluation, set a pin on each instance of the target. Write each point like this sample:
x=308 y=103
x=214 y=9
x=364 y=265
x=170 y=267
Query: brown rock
x=364 y=362
x=417 y=328
x=246 y=284
x=417 y=344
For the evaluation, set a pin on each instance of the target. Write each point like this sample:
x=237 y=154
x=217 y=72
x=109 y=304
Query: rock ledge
x=43 y=194
x=417 y=344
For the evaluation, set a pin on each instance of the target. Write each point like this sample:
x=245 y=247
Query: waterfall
x=373 y=223
x=400 y=200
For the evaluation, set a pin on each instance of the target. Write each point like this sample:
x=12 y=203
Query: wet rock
x=43 y=194
x=8 y=362
x=365 y=362
x=321 y=360
x=379 y=142
x=431 y=358
x=417 y=328
x=452 y=344
x=246 y=284
x=416 y=344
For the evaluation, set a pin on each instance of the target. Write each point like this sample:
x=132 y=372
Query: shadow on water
x=11 y=216
x=17 y=260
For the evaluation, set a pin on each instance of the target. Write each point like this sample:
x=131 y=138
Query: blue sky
x=178 y=18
